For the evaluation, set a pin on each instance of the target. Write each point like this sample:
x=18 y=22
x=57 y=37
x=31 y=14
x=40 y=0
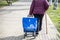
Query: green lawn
x=3 y=3
x=55 y=16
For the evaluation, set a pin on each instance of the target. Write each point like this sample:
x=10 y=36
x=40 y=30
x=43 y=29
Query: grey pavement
x=11 y=23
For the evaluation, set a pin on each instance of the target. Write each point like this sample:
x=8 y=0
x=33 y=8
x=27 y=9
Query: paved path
x=11 y=23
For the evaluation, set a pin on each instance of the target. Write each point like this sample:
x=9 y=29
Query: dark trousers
x=39 y=21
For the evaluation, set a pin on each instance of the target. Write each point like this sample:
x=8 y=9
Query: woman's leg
x=39 y=20
x=38 y=23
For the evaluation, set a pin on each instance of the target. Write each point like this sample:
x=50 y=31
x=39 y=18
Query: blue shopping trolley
x=29 y=25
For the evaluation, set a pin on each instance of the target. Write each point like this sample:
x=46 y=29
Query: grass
x=55 y=16
x=3 y=3
x=14 y=0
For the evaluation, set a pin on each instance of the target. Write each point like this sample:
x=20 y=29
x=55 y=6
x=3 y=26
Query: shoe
x=40 y=29
x=37 y=33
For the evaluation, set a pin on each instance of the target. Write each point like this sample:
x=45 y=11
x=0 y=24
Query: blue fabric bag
x=29 y=24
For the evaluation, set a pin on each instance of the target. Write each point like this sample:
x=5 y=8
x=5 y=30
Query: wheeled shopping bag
x=29 y=25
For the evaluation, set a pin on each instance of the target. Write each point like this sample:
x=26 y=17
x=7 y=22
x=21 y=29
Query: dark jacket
x=38 y=7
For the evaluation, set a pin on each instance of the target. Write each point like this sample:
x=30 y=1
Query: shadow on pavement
x=13 y=38
x=6 y=11
x=21 y=5
x=25 y=0
x=21 y=37
x=13 y=9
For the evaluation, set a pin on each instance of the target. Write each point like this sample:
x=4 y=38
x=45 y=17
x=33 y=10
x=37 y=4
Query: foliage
x=55 y=16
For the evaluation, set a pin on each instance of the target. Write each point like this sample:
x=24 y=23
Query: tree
x=9 y=2
x=55 y=4
x=50 y=2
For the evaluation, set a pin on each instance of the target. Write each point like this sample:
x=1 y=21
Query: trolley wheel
x=34 y=34
x=25 y=34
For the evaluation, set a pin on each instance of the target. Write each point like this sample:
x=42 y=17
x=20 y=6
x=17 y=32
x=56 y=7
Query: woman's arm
x=32 y=8
x=46 y=4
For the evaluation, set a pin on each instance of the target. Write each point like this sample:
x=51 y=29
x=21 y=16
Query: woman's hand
x=29 y=15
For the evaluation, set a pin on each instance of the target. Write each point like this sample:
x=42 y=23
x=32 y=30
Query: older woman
x=38 y=8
